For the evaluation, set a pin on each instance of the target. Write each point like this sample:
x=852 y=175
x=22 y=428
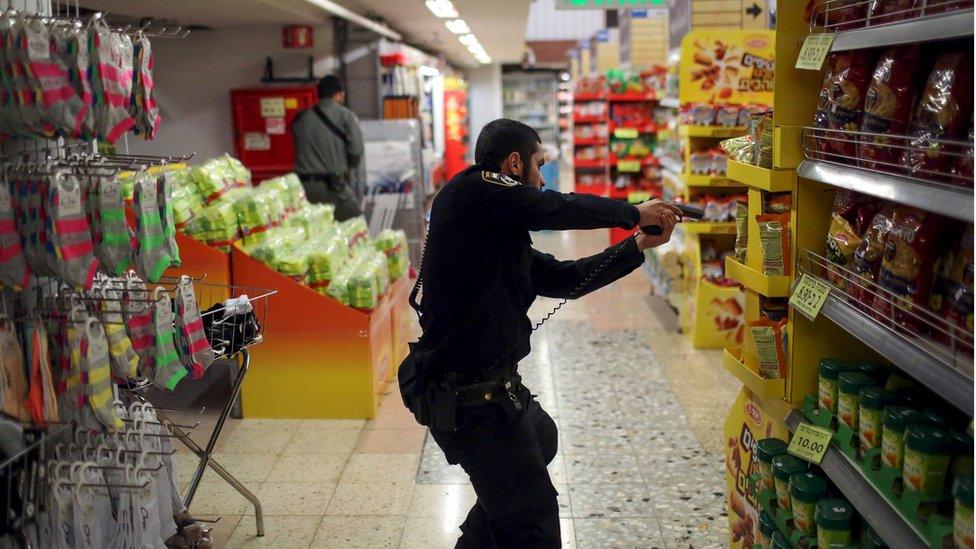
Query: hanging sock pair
x=152 y=257
x=97 y=375
x=138 y=315
x=114 y=242
x=47 y=73
x=125 y=361
x=168 y=371
x=14 y=377
x=164 y=194
x=28 y=114
x=42 y=400
x=71 y=47
x=196 y=353
x=72 y=234
x=143 y=107
x=14 y=271
x=111 y=69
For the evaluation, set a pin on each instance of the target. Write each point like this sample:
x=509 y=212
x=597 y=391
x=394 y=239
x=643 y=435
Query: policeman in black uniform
x=479 y=276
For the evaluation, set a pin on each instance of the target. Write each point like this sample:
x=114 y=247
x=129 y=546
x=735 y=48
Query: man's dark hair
x=500 y=138
x=329 y=86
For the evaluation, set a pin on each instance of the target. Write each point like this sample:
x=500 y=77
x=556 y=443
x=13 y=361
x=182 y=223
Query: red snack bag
x=867 y=256
x=959 y=306
x=940 y=114
x=888 y=106
x=845 y=102
x=823 y=104
x=907 y=265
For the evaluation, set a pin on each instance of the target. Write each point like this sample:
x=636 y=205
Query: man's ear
x=513 y=163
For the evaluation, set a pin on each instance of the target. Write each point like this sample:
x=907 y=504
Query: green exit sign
x=605 y=4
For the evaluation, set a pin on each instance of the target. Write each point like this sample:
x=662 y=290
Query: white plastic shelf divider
x=949 y=200
x=908 y=355
x=925 y=29
x=870 y=504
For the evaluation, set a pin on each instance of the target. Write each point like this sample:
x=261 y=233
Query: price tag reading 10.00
x=809 y=296
x=810 y=443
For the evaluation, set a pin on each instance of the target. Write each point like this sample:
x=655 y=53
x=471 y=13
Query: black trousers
x=334 y=191
x=506 y=461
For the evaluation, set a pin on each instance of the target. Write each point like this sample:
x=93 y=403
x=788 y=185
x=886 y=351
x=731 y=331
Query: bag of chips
x=959 y=307
x=837 y=14
x=867 y=256
x=941 y=114
x=770 y=341
x=962 y=170
x=907 y=264
x=774 y=237
x=888 y=106
x=845 y=103
x=842 y=241
x=741 y=231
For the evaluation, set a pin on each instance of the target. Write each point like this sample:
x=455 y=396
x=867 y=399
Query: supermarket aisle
x=640 y=462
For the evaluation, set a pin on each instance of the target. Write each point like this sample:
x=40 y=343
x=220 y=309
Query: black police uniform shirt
x=481 y=274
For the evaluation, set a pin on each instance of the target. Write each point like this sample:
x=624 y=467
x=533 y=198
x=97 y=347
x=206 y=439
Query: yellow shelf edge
x=690 y=130
x=695 y=180
x=769 y=286
x=772 y=180
x=709 y=227
x=766 y=388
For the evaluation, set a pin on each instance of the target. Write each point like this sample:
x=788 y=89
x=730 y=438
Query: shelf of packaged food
x=956 y=24
x=589 y=141
x=917 y=356
x=709 y=227
x=589 y=119
x=950 y=200
x=891 y=525
x=697 y=180
x=598 y=163
x=733 y=363
x=643 y=127
x=586 y=97
x=670 y=102
x=672 y=165
x=772 y=180
x=688 y=130
x=769 y=286
x=632 y=97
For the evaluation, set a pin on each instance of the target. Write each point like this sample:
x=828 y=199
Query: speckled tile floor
x=639 y=466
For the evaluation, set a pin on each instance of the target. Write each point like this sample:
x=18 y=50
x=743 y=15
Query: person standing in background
x=328 y=146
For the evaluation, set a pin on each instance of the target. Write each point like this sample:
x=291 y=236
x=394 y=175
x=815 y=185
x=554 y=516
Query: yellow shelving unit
x=720 y=132
x=762 y=387
x=768 y=179
x=754 y=280
x=709 y=227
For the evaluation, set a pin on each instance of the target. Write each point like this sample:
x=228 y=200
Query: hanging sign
x=727 y=66
x=814 y=51
x=809 y=296
x=810 y=443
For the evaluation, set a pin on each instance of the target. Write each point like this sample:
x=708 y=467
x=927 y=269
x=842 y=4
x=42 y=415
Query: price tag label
x=809 y=296
x=810 y=443
x=628 y=166
x=636 y=197
x=814 y=51
x=625 y=133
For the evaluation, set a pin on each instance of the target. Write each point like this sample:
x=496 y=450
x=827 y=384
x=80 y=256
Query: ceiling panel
x=500 y=25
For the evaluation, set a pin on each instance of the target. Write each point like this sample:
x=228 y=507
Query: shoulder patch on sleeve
x=499 y=179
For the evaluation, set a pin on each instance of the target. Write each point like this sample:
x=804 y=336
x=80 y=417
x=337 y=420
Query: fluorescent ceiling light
x=484 y=59
x=468 y=39
x=457 y=26
x=476 y=49
x=442 y=8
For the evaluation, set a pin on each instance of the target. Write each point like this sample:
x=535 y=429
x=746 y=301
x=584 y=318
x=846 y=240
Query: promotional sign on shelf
x=727 y=66
x=750 y=420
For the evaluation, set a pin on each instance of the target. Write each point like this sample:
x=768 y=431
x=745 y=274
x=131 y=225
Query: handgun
x=687 y=211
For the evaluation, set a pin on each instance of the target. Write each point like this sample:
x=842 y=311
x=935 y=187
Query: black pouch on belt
x=445 y=410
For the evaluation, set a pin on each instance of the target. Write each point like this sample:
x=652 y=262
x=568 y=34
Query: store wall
x=484 y=98
x=194 y=77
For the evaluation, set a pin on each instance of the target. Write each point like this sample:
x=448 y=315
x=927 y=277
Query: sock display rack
x=917 y=352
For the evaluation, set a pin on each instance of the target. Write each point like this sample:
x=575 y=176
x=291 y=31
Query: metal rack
x=870 y=504
x=925 y=22
x=831 y=159
x=946 y=368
